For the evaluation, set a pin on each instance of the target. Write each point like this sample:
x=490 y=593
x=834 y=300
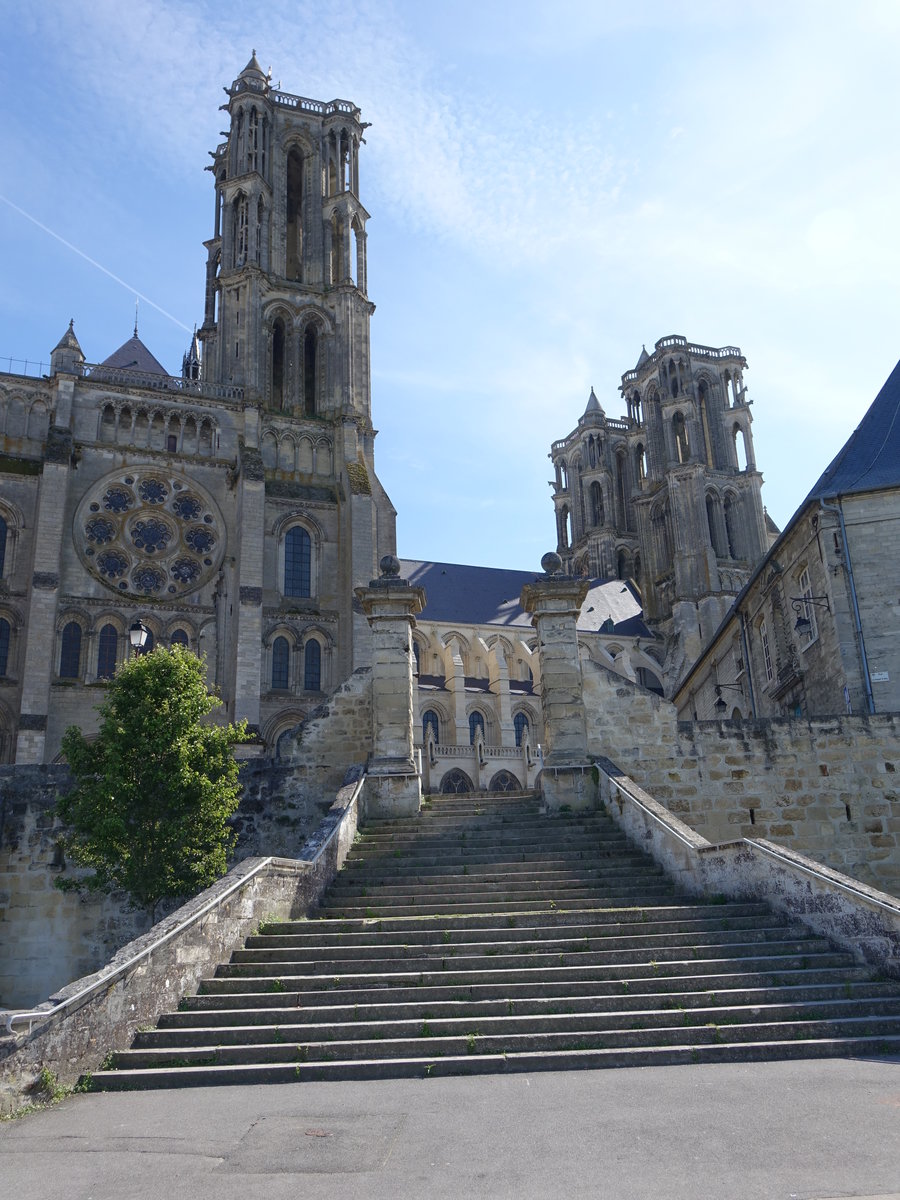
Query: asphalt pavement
x=758 y=1131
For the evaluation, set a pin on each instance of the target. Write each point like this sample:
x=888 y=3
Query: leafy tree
x=155 y=789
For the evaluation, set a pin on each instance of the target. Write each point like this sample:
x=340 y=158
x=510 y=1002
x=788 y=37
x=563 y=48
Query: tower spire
x=136 y=302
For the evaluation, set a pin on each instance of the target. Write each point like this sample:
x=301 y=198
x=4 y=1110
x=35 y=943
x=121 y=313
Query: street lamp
x=800 y=607
x=137 y=635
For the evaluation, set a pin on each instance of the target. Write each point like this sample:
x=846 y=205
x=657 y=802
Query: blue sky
x=551 y=186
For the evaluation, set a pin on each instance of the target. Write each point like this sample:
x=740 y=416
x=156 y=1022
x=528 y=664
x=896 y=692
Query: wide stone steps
x=484 y=936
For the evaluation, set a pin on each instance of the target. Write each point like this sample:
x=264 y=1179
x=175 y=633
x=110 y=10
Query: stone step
x=675 y=910
x=435 y=934
x=368 y=1026
x=265 y=1008
x=403 y=988
x=464 y=975
x=574 y=902
x=433 y=1066
x=496 y=880
x=502 y=955
x=259 y=949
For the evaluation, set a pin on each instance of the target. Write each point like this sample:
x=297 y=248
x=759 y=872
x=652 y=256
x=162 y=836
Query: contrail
x=94 y=263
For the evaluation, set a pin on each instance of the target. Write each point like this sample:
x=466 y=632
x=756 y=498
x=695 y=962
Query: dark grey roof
x=593 y=404
x=460 y=594
x=69 y=341
x=870 y=458
x=134 y=356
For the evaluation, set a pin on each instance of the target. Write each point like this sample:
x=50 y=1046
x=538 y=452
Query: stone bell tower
x=287 y=315
x=286 y=333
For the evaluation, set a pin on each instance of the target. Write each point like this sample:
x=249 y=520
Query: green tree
x=154 y=790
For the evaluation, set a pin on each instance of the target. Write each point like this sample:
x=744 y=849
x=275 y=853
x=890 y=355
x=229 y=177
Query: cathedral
x=234 y=508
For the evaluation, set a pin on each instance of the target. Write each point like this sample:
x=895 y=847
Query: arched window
x=740 y=448
x=107 y=651
x=520 y=724
x=714 y=524
x=4 y=529
x=565 y=528
x=70 y=654
x=640 y=460
x=681 y=438
x=731 y=527
x=596 y=503
x=430 y=721
x=416 y=653
x=294 y=207
x=297 y=562
x=312 y=666
x=278 y=363
x=4 y=645
x=310 y=369
x=476 y=722
x=179 y=638
x=592 y=451
x=150 y=642
x=281 y=663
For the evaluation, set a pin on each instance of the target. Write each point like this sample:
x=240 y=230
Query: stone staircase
x=483 y=936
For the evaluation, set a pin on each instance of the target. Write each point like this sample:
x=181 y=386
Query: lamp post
x=800 y=605
x=137 y=635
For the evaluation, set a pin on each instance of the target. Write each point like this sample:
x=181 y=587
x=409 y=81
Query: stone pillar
x=393 y=785
x=554 y=602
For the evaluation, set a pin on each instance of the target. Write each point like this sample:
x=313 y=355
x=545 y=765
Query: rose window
x=117 y=500
x=112 y=564
x=188 y=508
x=149 y=534
x=200 y=540
x=99 y=530
x=152 y=491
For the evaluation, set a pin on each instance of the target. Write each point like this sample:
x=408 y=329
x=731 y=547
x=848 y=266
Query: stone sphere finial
x=389 y=566
x=551 y=563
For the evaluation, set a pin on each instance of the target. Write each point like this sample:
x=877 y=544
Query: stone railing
x=70 y=1035
x=860 y=919
x=320 y=107
x=125 y=377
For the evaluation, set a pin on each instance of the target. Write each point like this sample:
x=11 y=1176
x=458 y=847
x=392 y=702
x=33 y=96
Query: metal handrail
x=44 y=1014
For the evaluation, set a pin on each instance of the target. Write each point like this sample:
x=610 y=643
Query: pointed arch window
x=294 y=210
x=70 y=652
x=476 y=722
x=679 y=428
x=179 y=638
x=278 y=339
x=297 y=562
x=430 y=721
x=4 y=645
x=732 y=532
x=312 y=666
x=281 y=663
x=520 y=725
x=596 y=503
x=310 y=369
x=107 y=651
x=4 y=531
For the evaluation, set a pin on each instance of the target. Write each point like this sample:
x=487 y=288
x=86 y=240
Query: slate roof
x=460 y=594
x=870 y=459
x=133 y=355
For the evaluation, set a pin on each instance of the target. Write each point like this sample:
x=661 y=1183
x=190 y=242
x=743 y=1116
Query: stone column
x=393 y=785
x=554 y=602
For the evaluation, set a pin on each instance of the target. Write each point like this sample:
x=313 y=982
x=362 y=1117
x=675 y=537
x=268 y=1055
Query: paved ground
x=744 y=1132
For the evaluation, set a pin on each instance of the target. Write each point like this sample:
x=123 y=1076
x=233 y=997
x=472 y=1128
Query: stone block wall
x=825 y=786
x=49 y=937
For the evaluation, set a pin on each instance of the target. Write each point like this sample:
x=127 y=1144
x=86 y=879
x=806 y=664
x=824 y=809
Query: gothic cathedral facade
x=233 y=509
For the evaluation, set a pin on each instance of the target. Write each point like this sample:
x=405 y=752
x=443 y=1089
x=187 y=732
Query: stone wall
x=49 y=937
x=149 y=976
x=825 y=786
